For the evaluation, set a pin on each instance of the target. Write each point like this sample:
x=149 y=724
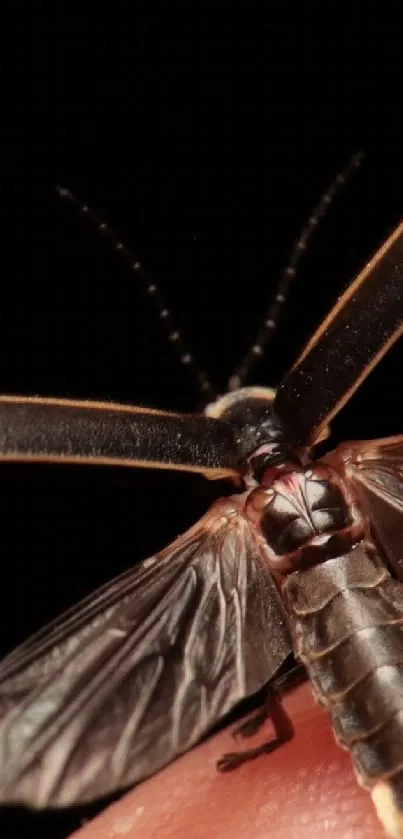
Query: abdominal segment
x=346 y=617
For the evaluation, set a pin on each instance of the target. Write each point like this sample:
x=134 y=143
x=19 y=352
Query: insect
x=295 y=560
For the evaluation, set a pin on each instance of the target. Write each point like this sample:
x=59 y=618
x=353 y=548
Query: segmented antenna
x=272 y=316
x=149 y=286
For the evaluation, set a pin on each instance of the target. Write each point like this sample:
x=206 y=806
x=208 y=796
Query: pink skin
x=304 y=790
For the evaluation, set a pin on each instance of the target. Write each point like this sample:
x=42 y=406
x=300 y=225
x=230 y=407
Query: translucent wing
x=140 y=670
x=376 y=469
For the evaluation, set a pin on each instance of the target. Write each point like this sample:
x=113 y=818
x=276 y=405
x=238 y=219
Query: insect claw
x=232 y=760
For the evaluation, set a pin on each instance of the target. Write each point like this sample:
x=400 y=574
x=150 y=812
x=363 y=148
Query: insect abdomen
x=346 y=617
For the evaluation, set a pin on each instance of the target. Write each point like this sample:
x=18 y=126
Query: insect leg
x=279 y=685
x=272 y=710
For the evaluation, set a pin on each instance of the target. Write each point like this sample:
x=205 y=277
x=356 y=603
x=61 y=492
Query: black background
x=204 y=136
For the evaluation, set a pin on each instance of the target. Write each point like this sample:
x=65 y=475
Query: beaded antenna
x=150 y=287
x=272 y=316
x=271 y=319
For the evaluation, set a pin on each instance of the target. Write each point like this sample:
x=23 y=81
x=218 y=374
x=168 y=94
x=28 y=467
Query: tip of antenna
x=64 y=193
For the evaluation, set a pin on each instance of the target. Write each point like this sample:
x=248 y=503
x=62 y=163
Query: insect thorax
x=304 y=510
x=306 y=515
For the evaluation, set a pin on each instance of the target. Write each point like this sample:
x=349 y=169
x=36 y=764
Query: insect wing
x=140 y=670
x=376 y=470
